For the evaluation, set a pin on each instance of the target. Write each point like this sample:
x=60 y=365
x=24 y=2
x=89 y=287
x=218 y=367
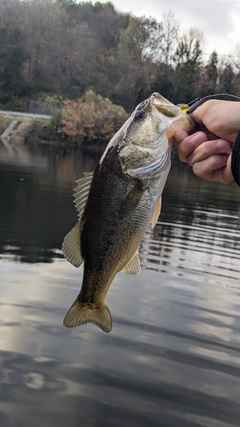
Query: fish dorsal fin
x=81 y=192
x=156 y=212
x=133 y=266
x=71 y=246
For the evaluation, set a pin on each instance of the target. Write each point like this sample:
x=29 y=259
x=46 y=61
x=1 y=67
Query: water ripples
x=172 y=358
x=213 y=250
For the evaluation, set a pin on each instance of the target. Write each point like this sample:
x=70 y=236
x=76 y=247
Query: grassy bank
x=89 y=122
x=28 y=129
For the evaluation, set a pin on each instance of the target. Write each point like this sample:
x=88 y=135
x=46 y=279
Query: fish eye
x=139 y=115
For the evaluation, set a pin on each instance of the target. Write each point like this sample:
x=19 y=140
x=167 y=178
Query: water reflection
x=173 y=353
x=172 y=358
x=36 y=205
x=36 y=199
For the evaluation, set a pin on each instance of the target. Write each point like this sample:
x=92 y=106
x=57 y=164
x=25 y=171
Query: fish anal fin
x=156 y=212
x=81 y=192
x=133 y=267
x=71 y=246
x=80 y=314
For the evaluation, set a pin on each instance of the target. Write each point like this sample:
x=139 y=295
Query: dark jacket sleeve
x=235 y=165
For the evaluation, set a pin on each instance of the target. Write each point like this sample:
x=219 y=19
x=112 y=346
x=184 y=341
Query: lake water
x=173 y=355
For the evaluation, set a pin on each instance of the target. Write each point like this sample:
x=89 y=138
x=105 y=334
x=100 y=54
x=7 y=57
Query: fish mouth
x=164 y=106
x=153 y=169
x=178 y=119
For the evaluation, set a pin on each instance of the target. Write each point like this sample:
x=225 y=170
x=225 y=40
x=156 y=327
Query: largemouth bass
x=118 y=202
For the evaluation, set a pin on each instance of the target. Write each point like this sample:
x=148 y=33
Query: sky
x=219 y=20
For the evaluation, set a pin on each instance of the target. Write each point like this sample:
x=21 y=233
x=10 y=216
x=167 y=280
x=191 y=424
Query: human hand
x=210 y=159
x=208 y=150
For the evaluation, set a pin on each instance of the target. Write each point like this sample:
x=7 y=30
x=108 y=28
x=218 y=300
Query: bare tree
x=168 y=43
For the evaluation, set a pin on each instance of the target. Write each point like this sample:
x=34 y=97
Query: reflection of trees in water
x=196 y=223
x=181 y=251
x=37 y=210
x=36 y=206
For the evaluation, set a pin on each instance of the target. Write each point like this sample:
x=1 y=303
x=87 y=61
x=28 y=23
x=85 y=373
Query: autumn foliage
x=52 y=50
x=91 y=118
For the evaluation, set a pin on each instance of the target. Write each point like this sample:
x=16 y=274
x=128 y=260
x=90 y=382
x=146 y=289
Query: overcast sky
x=218 y=19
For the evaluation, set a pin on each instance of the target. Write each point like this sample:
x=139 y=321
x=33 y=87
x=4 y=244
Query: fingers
x=209 y=158
x=210 y=167
x=210 y=150
x=215 y=168
x=188 y=143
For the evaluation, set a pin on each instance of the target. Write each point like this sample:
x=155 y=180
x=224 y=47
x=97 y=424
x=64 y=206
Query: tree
x=133 y=65
x=91 y=118
x=188 y=66
x=68 y=5
x=169 y=38
x=211 y=73
x=227 y=78
x=11 y=53
x=43 y=27
x=189 y=49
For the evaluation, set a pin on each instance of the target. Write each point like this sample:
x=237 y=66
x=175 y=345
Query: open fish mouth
x=151 y=170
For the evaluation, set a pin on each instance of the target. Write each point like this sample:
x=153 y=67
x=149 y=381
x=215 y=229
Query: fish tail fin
x=80 y=313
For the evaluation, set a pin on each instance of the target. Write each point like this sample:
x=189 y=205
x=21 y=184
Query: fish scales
x=123 y=198
x=107 y=241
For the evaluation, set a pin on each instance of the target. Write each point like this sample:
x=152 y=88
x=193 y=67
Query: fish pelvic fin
x=81 y=313
x=71 y=246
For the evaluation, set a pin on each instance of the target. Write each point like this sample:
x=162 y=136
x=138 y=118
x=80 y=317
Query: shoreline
x=40 y=131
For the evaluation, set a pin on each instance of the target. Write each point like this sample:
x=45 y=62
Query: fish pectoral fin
x=71 y=246
x=133 y=267
x=81 y=192
x=156 y=213
x=131 y=201
x=80 y=314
